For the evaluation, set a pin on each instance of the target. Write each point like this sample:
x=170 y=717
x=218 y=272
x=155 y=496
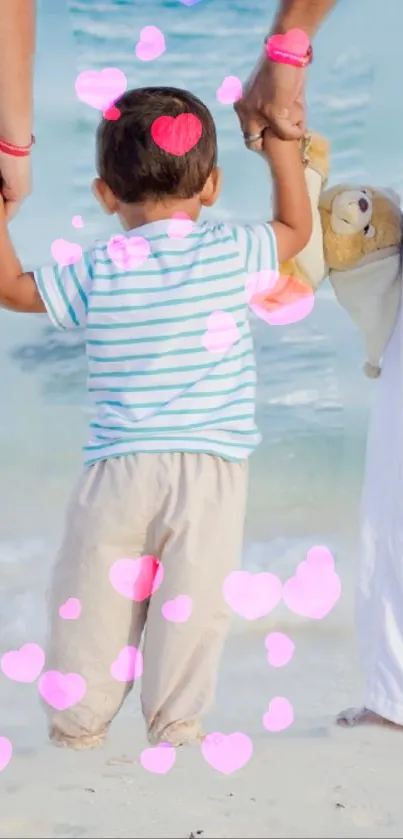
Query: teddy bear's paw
x=289 y=268
x=372 y=371
x=316 y=153
x=292 y=269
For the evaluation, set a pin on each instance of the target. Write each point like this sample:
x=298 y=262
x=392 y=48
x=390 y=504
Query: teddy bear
x=362 y=235
x=356 y=243
x=296 y=278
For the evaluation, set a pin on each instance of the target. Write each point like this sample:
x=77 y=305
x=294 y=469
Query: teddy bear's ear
x=328 y=195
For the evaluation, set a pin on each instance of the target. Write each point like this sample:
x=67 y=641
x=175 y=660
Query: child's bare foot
x=363 y=716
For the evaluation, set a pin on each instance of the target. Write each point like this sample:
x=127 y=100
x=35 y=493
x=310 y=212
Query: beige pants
x=187 y=510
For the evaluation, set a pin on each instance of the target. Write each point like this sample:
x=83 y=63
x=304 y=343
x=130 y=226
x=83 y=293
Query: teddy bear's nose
x=363 y=205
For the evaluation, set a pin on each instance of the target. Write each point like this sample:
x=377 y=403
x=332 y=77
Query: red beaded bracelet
x=16 y=151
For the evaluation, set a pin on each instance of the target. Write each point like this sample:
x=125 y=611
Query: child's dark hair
x=134 y=167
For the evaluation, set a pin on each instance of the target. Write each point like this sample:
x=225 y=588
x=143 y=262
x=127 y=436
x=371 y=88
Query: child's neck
x=136 y=215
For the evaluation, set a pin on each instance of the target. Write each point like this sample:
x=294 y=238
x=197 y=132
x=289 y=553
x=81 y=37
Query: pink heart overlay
x=178 y=610
x=158 y=760
x=66 y=253
x=177 y=135
x=70 y=610
x=128 y=666
x=100 y=89
x=6 y=752
x=315 y=588
x=230 y=90
x=128 y=252
x=287 y=304
x=151 y=44
x=112 y=113
x=227 y=753
x=295 y=41
x=252 y=596
x=23 y=665
x=136 y=579
x=180 y=226
x=280 y=649
x=279 y=716
x=222 y=332
x=61 y=690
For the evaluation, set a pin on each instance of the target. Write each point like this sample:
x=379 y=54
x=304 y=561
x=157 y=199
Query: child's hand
x=274 y=148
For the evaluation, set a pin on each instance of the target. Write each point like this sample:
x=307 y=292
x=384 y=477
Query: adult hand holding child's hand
x=274 y=98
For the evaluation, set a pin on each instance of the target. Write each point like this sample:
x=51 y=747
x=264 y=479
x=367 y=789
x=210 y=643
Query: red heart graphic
x=295 y=41
x=177 y=135
x=112 y=113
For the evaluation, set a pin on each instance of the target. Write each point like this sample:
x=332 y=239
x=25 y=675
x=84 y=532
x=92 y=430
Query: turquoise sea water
x=312 y=399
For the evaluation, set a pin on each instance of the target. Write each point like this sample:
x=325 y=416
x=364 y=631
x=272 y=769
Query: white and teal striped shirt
x=157 y=377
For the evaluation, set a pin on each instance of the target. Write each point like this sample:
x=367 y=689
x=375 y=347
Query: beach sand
x=311 y=780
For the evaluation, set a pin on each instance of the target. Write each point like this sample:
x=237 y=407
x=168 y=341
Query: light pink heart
x=279 y=716
x=128 y=252
x=280 y=649
x=128 y=666
x=227 y=752
x=61 y=690
x=285 y=313
x=230 y=90
x=23 y=665
x=180 y=226
x=315 y=588
x=252 y=596
x=137 y=579
x=222 y=332
x=6 y=752
x=294 y=40
x=70 y=610
x=100 y=89
x=77 y=221
x=66 y=253
x=151 y=44
x=178 y=610
x=158 y=760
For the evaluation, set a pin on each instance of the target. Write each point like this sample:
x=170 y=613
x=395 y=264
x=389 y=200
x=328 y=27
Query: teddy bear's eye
x=364 y=192
x=366 y=230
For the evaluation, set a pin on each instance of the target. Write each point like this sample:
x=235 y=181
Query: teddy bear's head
x=359 y=224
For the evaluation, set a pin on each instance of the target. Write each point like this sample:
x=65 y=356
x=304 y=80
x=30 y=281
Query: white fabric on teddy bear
x=371 y=294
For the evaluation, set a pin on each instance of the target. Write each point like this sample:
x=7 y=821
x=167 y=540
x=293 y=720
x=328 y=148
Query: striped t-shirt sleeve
x=64 y=291
x=257 y=247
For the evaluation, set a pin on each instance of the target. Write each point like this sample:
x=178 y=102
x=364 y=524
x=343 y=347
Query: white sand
x=312 y=780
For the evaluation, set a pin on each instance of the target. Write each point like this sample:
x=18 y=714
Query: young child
x=166 y=460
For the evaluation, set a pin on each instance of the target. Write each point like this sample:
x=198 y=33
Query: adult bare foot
x=363 y=716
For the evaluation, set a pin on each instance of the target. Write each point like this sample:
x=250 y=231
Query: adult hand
x=274 y=98
x=15 y=173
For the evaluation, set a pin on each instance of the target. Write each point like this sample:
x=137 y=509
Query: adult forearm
x=307 y=15
x=17 y=50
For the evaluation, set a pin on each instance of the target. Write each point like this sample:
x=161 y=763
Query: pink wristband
x=16 y=151
x=292 y=48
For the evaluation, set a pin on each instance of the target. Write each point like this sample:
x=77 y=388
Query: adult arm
x=17 y=52
x=274 y=95
x=307 y=15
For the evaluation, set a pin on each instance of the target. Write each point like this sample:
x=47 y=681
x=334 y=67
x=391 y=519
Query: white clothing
x=379 y=605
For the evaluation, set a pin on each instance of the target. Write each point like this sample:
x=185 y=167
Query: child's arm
x=60 y=291
x=18 y=289
x=292 y=222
